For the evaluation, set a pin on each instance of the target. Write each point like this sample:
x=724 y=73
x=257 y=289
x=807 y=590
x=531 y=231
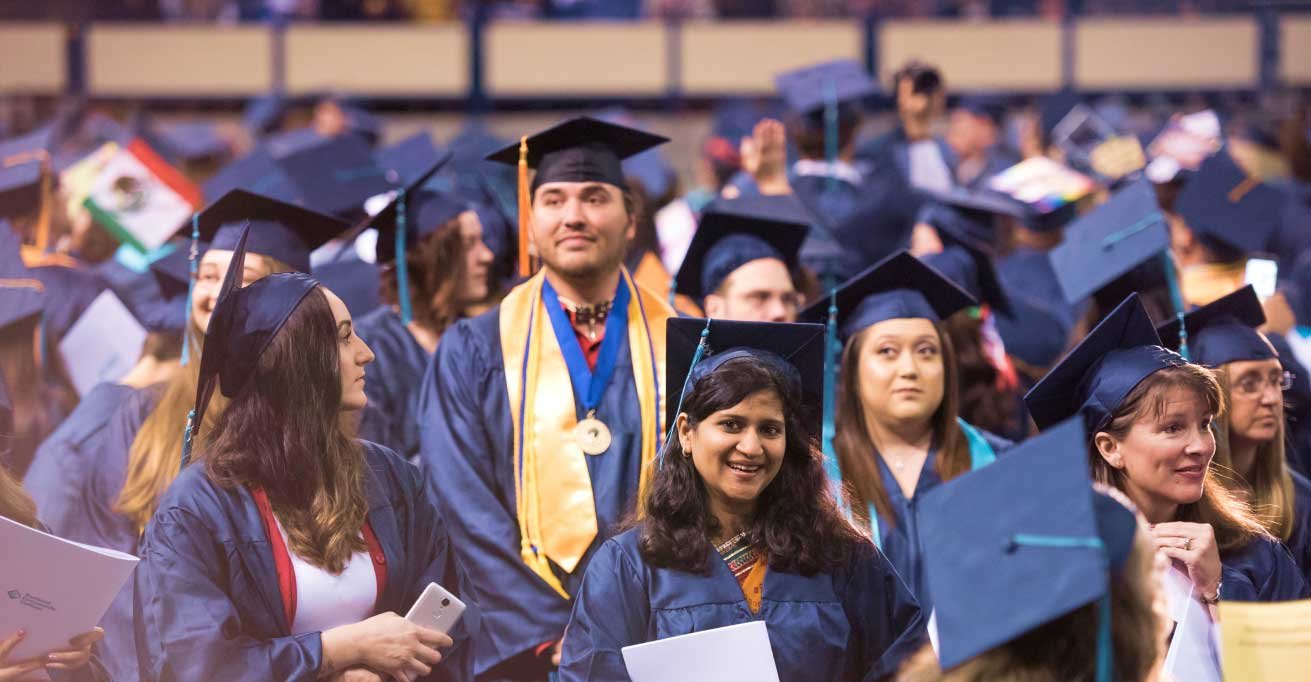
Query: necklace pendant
x=592 y=435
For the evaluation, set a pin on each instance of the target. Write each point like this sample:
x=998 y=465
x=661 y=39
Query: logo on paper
x=31 y=601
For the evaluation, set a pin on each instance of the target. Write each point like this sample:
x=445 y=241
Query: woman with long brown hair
x=1148 y=413
x=137 y=457
x=740 y=524
x=898 y=426
x=445 y=272
x=1249 y=436
x=285 y=546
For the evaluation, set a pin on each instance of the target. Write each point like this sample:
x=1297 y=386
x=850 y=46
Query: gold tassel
x=42 y=236
x=525 y=210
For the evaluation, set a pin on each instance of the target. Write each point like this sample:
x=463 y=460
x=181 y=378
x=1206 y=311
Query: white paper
x=103 y=345
x=1194 y=653
x=55 y=589
x=736 y=652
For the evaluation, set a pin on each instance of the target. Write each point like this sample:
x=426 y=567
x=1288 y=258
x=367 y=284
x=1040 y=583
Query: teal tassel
x=1105 y=647
x=194 y=267
x=1177 y=298
x=701 y=347
x=832 y=348
x=187 y=436
x=831 y=129
x=402 y=269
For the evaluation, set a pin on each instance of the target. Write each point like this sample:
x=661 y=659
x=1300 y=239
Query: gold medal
x=592 y=435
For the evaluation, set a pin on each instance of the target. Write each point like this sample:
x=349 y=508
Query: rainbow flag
x=140 y=198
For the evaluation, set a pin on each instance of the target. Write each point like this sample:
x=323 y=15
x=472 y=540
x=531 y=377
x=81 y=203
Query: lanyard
x=588 y=385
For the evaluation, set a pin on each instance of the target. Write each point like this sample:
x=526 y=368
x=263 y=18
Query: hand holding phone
x=436 y=609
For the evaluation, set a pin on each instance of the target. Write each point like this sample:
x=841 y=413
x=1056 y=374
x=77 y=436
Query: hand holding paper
x=705 y=656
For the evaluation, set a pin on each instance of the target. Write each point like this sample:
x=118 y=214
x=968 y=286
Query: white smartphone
x=436 y=609
x=1263 y=275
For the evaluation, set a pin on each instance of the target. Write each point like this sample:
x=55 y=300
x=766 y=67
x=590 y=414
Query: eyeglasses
x=1255 y=385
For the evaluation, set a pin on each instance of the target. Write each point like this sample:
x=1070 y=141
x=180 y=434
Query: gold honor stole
x=553 y=490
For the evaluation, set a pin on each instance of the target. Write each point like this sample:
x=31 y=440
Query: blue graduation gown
x=89 y=516
x=208 y=605
x=893 y=147
x=856 y=623
x=55 y=478
x=69 y=291
x=1261 y=570
x=899 y=537
x=392 y=382
x=1299 y=543
x=466 y=441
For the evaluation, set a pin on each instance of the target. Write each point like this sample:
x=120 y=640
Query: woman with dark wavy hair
x=741 y=524
x=287 y=550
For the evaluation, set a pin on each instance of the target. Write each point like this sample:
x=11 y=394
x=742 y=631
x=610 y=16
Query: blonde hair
x=156 y=453
x=1229 y=516
x=1270 y=486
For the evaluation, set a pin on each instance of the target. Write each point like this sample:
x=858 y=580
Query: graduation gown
x=893 y=147
x=1261 y=570
x=466 y=438
x=55 y=478
x=89 y=516
x=69 y=291
x=1299 y=543
x=392 y=383
x=208 y=604
x=899 y=536
x=856 y=623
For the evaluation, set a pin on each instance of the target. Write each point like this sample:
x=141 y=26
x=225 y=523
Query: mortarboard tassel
x=187 y=436
x=701 y=347
x=193 y=265
x=1177 y=298
x=402 y=268
x=1105 y=647
x=831 y=130
x=829 y=430
x=525 y=210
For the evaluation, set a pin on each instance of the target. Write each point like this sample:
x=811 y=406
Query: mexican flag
x=140 y=198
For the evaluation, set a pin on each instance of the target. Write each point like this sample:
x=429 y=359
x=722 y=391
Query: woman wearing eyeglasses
x=1250 y=436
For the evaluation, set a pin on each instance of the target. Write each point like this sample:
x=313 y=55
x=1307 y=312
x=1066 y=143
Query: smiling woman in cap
x=1148 y=413
x=288 y=548
x=740 y=519
x=898 y=429
x=1250 y=434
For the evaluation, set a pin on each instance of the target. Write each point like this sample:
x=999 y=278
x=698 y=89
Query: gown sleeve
x=1264 y=571
x=458 y=409
x=887 y=625
x=611 y=611
x=187 y=627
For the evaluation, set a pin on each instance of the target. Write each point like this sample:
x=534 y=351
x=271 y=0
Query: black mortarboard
x=796 y=348
x=408 y=159
x=256 y=172
x=1223 y=203
x=336 y=175
x=22 y=296
x=1223 y=331
x=898 y=287
x=1093 y=379
x=808 y=90
x=582 y=149
x=279 y=230
x=426 y=210
x=732 y=234
x=1110 y=241
x=1020 y=543
x=245 y=321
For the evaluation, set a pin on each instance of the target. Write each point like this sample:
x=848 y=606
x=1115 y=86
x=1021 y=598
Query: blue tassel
x=832 y=347
x=687 y=381
x=187 y=438
x=1177 y=298
x=402 y=269
x=193 y=267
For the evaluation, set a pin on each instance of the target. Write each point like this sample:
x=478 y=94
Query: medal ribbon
x=588 y=385
x=554 y=506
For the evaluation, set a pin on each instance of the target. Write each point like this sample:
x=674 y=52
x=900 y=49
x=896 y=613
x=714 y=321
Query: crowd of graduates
x=929 y=409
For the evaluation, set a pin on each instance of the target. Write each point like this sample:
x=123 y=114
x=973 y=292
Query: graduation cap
x=1110 y=241
x=336 y=174
x=898 y=287
x=582 y=149
x=278 y=229
x=1053 y=108
x=256 y=172
x=696 y=347
x=22 y=296
x=24 y=172
x=1223 y=331
x=1223 y=203
x=1093 y=379
x=965 y=213
x=1020 y=543
x=412 y=215
x=408 y=159
x=970 y=267
x=244 y=322
x=732 y=234
x=191 y=141
x=813 y=88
